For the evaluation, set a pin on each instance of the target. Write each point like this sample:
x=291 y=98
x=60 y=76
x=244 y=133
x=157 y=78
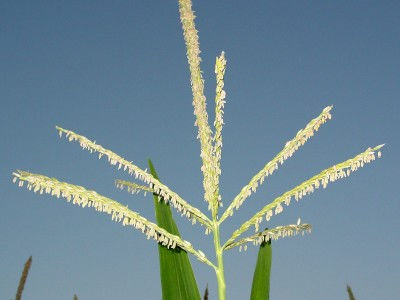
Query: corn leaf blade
x=177 y=277
x=261 y=278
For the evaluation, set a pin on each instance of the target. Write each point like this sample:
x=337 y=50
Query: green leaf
x=177 y=277
x=260 y=286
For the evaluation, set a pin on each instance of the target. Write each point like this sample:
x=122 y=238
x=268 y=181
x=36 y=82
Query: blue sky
x=116 y=72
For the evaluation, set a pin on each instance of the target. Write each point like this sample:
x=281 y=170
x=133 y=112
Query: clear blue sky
x=116 y=72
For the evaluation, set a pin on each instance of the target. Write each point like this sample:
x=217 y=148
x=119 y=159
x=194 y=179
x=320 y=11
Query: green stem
x=219 y=270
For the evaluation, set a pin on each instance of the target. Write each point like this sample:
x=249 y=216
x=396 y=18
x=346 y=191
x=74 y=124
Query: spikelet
x=220 y=95
x=23 y=278
x=271 y=234
x=199 y=100
x=290 y=147
x=350 y=292
x=132 y=187
x=331 y=174
x=119 y=213
x=114 y=159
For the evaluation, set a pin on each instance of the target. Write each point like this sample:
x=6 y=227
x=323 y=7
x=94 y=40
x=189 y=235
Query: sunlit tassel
x=133 y=170
x=220 y=95
x=119 y=213
x=132 y=187
x=290 y=147
x=307 y=187
x=199 y=100
x=270 y=234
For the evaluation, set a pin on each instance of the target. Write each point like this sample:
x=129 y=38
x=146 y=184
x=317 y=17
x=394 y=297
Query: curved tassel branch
x=331 y=174
x=291 y=146
x=271 y=234
x=132 y=187
x=181 y=205
x=119 y=213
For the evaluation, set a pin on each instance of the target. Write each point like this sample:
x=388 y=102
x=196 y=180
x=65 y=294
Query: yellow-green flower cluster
x=220 y=95
x=82 y=197
x=271 y=234
x=331 y=174
x=181 y=205
x=290 y=147
x=132 y=187
x=199 y=100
